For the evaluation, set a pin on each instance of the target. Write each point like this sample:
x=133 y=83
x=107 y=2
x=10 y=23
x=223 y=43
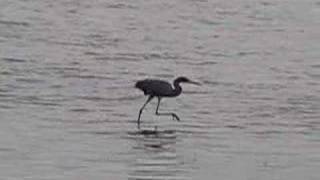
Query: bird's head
x=185 y=80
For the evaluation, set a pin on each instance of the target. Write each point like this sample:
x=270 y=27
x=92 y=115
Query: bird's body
x=154 y=87
x=158 y=88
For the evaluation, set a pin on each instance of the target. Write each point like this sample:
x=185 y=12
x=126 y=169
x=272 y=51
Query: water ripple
x=106 y=99
x=121 y=6
x=16 y=60
x=14 y=23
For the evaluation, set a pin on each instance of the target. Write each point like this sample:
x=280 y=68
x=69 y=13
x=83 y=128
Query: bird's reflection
x=155 y=155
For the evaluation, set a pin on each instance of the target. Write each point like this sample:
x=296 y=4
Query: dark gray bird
x=158 y=88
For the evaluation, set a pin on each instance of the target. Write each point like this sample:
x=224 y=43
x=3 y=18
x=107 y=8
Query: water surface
x=69 y=107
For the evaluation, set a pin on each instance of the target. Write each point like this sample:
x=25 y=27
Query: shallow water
x=69 y=107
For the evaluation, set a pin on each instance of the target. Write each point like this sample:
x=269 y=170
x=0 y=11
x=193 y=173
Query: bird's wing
x=155 y=87
x=160 y=88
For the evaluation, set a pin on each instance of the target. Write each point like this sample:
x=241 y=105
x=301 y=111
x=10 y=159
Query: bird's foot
x=174 y=116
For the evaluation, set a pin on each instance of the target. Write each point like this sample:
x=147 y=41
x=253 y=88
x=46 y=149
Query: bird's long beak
x=193 y=82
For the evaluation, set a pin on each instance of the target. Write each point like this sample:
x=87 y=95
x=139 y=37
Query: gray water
x=68 y=104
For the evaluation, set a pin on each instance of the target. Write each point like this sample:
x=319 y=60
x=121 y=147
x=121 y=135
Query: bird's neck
x=177 y=88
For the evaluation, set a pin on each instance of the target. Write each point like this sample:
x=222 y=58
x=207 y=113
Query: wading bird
x=158 y=88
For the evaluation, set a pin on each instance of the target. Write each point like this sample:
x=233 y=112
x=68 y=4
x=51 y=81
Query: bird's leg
x=166 y=114
x=141 y=109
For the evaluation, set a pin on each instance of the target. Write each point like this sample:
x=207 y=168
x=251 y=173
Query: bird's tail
x=141 y=85
x=138 y=85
